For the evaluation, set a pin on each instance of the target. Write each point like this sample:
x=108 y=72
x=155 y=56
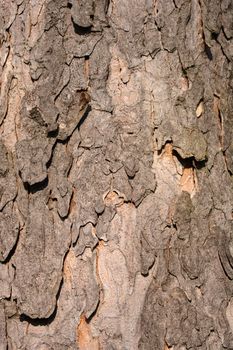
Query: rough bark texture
x=116 y=121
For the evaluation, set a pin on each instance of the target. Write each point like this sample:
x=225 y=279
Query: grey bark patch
x=191 y=143
x=3 y=332
x=32 y=159
x=39 y=261
x=9 y=230
x=116 y=174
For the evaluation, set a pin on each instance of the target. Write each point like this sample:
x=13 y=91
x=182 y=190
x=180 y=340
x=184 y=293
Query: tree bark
x=116 y=175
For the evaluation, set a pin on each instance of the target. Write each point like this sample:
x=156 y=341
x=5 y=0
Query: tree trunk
x=116 y=172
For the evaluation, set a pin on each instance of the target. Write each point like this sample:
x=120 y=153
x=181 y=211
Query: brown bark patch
x=187 y=181
x=200 y=109
x=85 y=339
x=168 y=151
x=113 y=198
x=69 y=263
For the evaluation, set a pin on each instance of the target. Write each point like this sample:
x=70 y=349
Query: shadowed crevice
x=39 y=186
x=13 y=249
x=88 y=110
x=38 y=321
x=81 y=30
x=208 y=52
x=190 y=162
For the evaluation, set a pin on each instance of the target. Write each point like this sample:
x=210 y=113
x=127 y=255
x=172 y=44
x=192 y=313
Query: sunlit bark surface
x=116 y=122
